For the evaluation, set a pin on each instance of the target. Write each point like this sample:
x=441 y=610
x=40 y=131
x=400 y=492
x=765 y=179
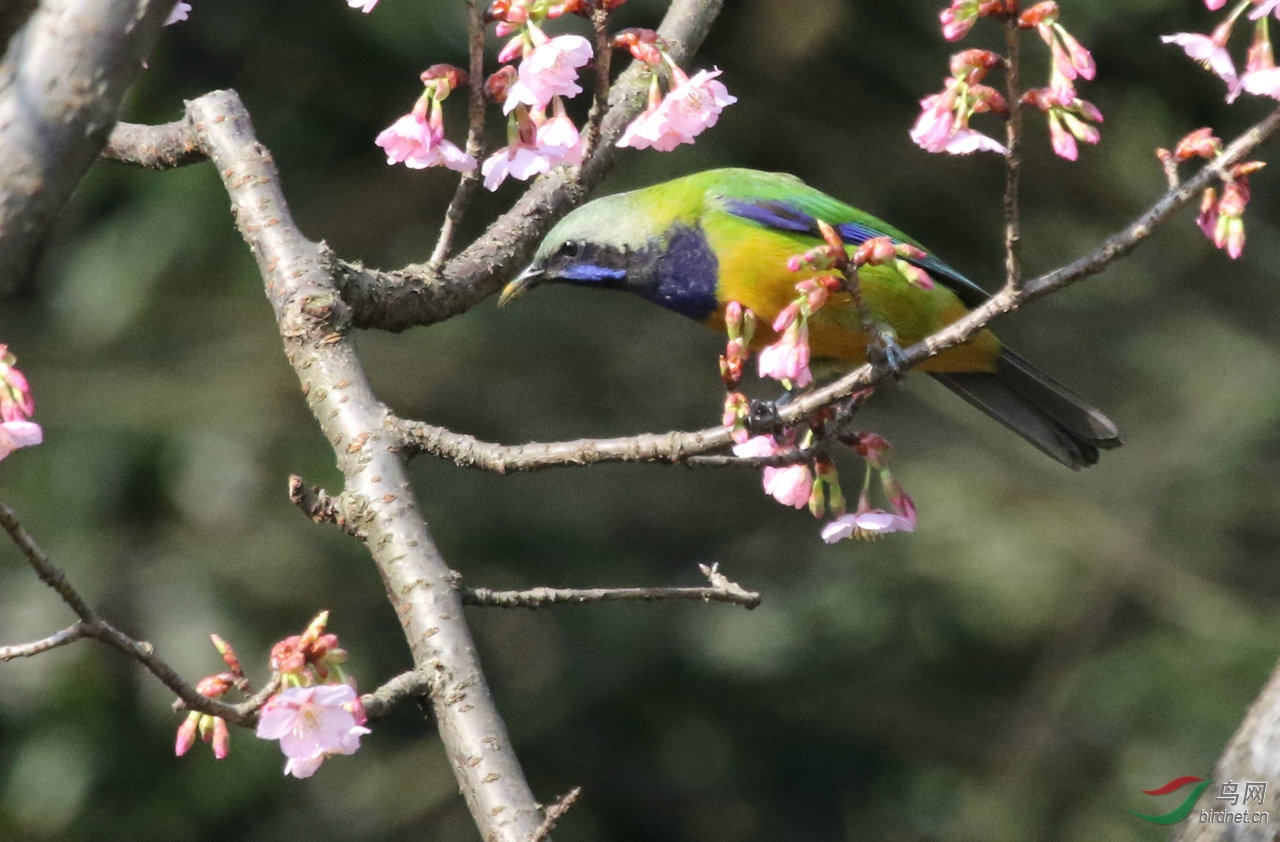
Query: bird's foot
x=763 y=417
x=883 y=349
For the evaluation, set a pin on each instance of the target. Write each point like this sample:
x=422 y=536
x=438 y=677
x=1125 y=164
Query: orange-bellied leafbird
x=694 y=244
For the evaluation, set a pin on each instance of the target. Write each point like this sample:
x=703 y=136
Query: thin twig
x=161 y=147
x=554 y=812
x=70 y=634
x=50 y=574
x=1013 y=157
x=323 y=507
x=415 y=684
x=676 y=448
x=470 y=181
x=93 y=626
x=600 y=102
x=722 y=589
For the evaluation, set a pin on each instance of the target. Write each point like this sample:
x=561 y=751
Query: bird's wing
x=800 y=214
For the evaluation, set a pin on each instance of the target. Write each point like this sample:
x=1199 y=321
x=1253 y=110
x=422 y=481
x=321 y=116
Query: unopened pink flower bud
x=972 y=65
x=221 y=741
x=786 y=317
x=187 y=733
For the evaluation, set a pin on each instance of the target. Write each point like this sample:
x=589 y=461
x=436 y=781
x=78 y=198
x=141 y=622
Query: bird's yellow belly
x=836 y=332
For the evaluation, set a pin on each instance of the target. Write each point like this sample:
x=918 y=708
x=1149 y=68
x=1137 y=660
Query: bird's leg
x=883 y=348
x=882 y=340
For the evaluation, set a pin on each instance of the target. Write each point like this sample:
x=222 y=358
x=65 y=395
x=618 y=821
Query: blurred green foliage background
x=1047 y=645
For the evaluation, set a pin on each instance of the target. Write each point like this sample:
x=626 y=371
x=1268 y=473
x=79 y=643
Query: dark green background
x=1044 y=647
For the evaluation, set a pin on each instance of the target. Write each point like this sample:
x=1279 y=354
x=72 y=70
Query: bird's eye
x=570 y=249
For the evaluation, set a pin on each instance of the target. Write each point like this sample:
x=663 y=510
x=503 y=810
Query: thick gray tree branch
x=314 y=323
x=62 y=79
x=1253 y=754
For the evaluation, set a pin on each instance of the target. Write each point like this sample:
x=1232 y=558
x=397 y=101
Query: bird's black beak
x=530 y=277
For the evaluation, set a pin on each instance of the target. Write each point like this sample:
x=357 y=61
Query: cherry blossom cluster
x=1221 y=218
x=864 y=521
x=16 y=407
x=812 y=481
x=690 y=107
x=532 y=93
x=417 y=139
x=943 y=124
x=316 y=714
x=805 y=479
x=1261 y=76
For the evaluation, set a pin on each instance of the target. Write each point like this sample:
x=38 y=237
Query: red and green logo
x=1184 y=809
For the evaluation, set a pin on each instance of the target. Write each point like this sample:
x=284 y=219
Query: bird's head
x=628 y=242
x=602 y=244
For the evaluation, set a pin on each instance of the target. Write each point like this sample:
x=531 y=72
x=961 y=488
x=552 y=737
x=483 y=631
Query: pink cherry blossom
x=938 y=130
x=312 y=723
x=548 y=71
x=935 y=124
x=559 y=140
x=696 y=102
x=757 y=446
x=692 y=106
x=413 y=141
x=16 y=403
x=1262 y=9
x=1209 y=52
x=967 y=141
x=1261 y=77
x=555 y=142
x=180 y=12
x=788 y=359
x=518 y=162
x=790 y=485
x=865 y=524
x=16 y=434
x=365 y=6
x=1262 y=82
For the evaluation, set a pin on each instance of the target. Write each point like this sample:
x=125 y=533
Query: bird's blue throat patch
x=686 y=272
x=590 y=273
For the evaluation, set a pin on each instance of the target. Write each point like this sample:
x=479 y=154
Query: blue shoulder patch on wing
x=686 y=273
x=783 y=216
x=775 y=214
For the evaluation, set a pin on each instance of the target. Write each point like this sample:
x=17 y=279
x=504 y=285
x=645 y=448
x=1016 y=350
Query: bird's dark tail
x=1038 y=408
